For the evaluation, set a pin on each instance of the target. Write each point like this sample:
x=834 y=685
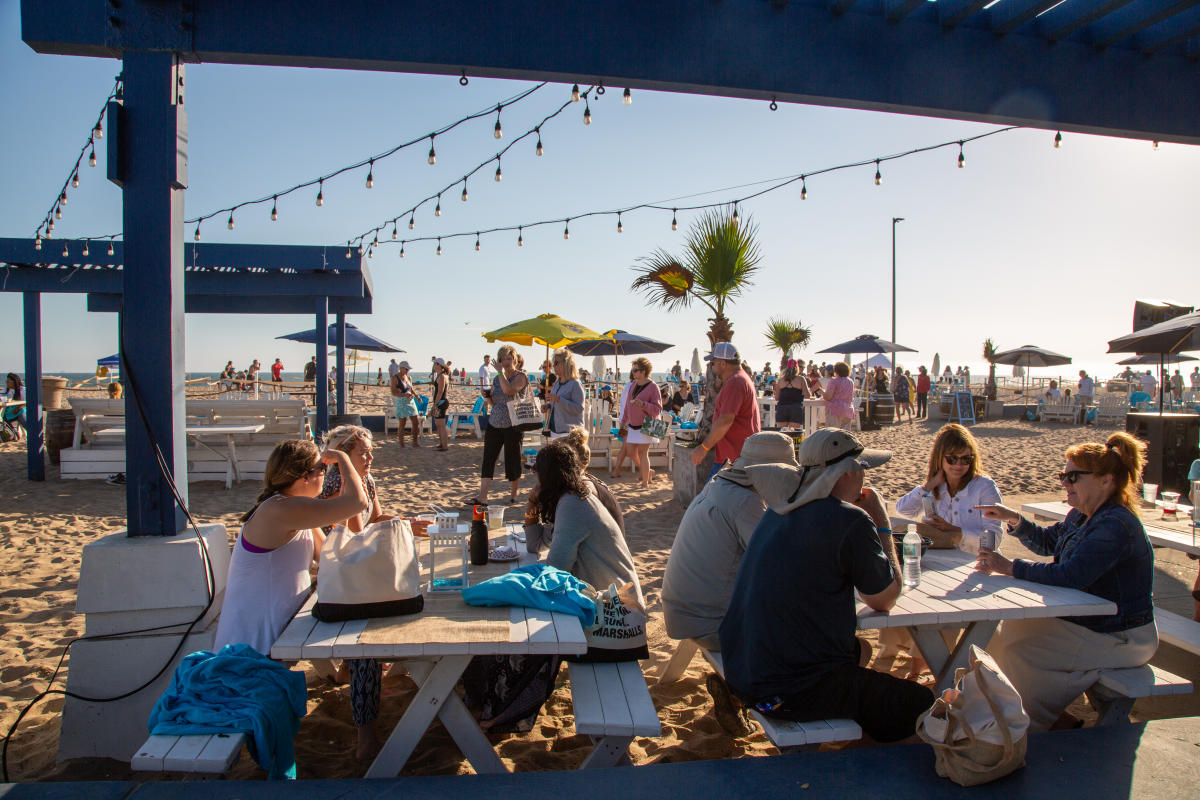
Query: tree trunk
x=990 y=389
x=719 y=331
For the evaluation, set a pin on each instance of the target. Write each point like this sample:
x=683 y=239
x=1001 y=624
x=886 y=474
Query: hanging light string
x=536 y=130
x=775 y=184
x=72 y=180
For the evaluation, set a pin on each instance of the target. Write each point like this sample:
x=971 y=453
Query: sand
x=43 y=527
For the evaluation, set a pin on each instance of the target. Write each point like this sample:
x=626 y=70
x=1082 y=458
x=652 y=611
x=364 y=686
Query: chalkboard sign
x=963 y=408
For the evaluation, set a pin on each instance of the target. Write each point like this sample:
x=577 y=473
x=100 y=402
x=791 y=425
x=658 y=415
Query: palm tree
x=989 y=355
x=784 y=334
x=720 y=257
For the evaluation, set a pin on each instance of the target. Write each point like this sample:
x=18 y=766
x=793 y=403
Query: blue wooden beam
x=35 y=451
x=321 y=387
x=930 y=62
x=340 y=322
x=245 y=304
x=266 y=285
x=202 y=255
x=152 y=347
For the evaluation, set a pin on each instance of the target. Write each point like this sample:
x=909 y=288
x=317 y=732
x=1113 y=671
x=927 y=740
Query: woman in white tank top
x=280 y=541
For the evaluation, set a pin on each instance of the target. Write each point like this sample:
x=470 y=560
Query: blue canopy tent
x=109 y=361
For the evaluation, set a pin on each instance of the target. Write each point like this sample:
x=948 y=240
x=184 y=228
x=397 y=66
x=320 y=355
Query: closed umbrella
x=936 y=367
x=598 y=367
x=696 y=367
x=867 y=344
x=1031 y=356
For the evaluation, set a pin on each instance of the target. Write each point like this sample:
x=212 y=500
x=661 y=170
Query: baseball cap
x=440 y=361
x=724 y=351
x=405 y=365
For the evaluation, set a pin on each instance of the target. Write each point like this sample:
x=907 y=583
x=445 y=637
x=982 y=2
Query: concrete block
x=688 y=478
x=111 y=667
x=120 y=573
x=152 y=621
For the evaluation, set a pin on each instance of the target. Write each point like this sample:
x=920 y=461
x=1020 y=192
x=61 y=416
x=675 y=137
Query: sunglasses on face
x=1071 y=476
x=319 y=469
x=955 y=461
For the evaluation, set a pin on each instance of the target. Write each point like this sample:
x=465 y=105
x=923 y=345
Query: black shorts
x=439 y=411
x=884 y=706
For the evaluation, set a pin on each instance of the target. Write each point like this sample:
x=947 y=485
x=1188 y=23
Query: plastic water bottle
x=911 y=547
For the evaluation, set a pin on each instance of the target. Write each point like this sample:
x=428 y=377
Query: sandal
x=474 y=501
x=512 y=501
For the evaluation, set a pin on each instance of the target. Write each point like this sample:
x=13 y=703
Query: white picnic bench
x=1058 y=412
x=198 y=434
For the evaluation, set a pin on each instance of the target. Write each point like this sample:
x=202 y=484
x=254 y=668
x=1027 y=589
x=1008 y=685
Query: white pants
x=1051 y=661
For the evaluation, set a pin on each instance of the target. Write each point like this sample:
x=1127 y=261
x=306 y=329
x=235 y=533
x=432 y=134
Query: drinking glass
x=1149 y=492
x=1170 y=503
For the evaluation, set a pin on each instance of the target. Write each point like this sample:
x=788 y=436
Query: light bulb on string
x=274 y=208
x=375 y=242
x=196 y=235
x=57 y=211
x=627 y=98
x=321 y=192
x=803 y=188
x=567 y=229
x=110 y=246
x=1155 y=147
x=520 y=237
x=498 y=132
x=230 y=223
x=587 y=113
x=85 y=248
x=360 y=248
x=412 y=221
x=499 y=174
x=464 y=194
x=348 y=253
x=370 y=252
x=92 y=157
x=878 y=174
x=98 y=131
x=402 y=249
x=75 y=177
x=66 y=252
x=371 y=174
x=575 y=93
x=49 y=226
x=1058 y=139
x=37 y=242
x=393 y=230
x=437 y=210
x=620 y=227
x=432 y=152
x=439 y=250
x=736 y=218
x=962 y=160
x=674 y=220
x=539 y=150
x=476 y=241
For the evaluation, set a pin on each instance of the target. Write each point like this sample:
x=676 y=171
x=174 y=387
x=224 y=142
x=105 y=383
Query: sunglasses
x=1072 y=476
x=319 y=469
x=955 y=461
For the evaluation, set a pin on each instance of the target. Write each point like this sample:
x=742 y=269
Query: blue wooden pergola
x=1113 y=67
x=218 y=279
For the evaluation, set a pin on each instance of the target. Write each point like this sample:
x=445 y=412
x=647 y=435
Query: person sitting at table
x=791 y=390
x=13 y=416
x=1100 y=548
x=280 y=541
x=788 y=637
x=366 y=675
x=956 y=484
x=679 y=398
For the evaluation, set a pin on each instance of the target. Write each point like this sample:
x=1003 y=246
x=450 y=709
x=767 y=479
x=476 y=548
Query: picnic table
x=198 y=433
x=435 y=647
x=1176 y=534
x=952 y=595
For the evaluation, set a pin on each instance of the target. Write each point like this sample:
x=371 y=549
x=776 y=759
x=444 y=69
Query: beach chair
x=1111 y=409
x=468 y=421
x=1058 y=412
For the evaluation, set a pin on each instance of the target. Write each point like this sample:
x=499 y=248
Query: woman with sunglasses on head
x=1100 y=548
x=269 y=572
x=956 y=487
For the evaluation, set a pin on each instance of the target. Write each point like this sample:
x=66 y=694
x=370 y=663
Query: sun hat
x=724 y=351
x=824 y=457
x=404 y=365
x=764 y=447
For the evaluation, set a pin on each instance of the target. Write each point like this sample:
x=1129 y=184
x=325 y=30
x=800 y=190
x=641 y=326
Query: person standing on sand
x=839 y=397
x=277 y=378
x=735 y=416
x=923 y=387
x=1086 y=389
x=487 y=372
x=310 y=370
x=677 y=371
x=404 y=401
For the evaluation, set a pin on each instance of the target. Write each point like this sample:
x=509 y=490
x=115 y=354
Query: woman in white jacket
x=954 y=488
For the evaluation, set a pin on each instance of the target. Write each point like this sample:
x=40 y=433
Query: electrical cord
x=210 y=585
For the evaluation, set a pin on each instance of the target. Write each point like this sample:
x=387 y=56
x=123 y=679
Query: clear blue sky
x=1027 y=244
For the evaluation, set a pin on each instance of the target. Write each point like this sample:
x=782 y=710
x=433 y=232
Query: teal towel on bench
x=236 y=690
x=535 y=586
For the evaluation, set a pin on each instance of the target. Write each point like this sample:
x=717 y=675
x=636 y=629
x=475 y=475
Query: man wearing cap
x=735 y=415
x=787 y=639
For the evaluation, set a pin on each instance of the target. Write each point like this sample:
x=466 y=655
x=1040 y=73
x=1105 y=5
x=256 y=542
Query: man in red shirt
x=277 y=377
x=923 y=394
x=735 y=417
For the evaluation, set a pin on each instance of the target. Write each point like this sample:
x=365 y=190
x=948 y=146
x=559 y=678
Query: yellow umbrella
x=548 y=329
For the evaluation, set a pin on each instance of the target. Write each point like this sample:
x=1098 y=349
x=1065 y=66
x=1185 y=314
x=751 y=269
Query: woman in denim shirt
x=1100 y=548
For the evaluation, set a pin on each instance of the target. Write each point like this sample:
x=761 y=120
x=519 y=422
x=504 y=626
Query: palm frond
x=989 y=350
x=783 y=334
x=722 y=256
x=664 y=281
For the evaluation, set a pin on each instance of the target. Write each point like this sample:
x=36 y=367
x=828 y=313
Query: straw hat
x=765 y=447
x=824 y=457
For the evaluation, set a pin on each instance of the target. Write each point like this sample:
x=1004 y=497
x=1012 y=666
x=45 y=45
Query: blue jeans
x=717 y=467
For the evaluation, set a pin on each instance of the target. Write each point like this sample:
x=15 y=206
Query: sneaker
x=117 y=480
x=730 y=716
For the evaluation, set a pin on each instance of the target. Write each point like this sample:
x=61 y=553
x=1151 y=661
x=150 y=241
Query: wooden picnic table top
x=191 y=430
x=952 y=592
x=1177 y=535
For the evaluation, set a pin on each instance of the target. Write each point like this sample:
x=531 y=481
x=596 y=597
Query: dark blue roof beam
x=1013 y=14
x=840 y=7
x=1133 y=20
x=1062 y=21
x=1181 y=28
x=956 y=12
x=247 y=304
x=896 y=10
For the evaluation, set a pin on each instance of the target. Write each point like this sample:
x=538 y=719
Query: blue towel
x=238 y=689
x=535 y=586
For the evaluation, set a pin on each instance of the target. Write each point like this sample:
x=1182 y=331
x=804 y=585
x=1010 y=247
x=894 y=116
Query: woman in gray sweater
x=566 y=397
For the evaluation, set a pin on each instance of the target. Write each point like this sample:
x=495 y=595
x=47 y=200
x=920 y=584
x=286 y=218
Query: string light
x=274 y=210
x=520 y=238
x=110 y=246
x=1058 y=139
x=476 y=241
x=567 y=229
x=58 y=212
x=962 y=160
x=437 y=212
x=75 y=177
x=348 y=253
x=674 y=220
x=627 y=98
x=464 y=193
x=92 y=157
x=412 y=221
x=393 y=231
x=587 y=113
x=439 y=250
x=37 y=243
x=432 y=152
x=66 y=252
x=360 y=248
x=196 y=235
x=230 y=220
x=803 y=187
x=575 y=93
x=736 y=218
x=402 y=249
x=498 y=132
x=499 y=174
x=538 y=150
x=620 y=227
x=370 y=252
x=321 y=192
x=49 y=226
x=371 y=174
x=98 y=131
x=85 y=248
x=878 y=174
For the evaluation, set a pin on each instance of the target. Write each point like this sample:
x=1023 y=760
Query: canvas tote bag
x=523 y=411
x=369 y=574
x=978 y=730
x=619 y=632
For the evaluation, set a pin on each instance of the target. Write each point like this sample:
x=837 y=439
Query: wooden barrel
x=883 y=408
x=53 y=389
x=60 y=432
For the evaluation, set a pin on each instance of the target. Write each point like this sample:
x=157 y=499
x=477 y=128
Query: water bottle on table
x=911 y=548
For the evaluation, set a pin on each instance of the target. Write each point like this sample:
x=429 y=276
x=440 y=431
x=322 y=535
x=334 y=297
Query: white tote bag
x=523 y=412
x=369 y=574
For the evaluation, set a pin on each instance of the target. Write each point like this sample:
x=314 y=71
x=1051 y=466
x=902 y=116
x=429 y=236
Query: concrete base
x=131 y=584
x=689 y=479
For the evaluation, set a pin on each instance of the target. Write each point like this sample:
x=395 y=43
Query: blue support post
x=341 y=363
x=152 y=170
x=35 y=451
x=321 y=387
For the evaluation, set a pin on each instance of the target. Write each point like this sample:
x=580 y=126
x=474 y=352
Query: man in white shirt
x=1148 y=383
x=393 y=368
x=1087 y=388
x=487 y=372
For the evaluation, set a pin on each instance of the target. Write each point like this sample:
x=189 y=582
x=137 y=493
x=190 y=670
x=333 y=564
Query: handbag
x=369 y=574
x=655 y=428
x=523 y=412
x=979 y=730
x=619 y=632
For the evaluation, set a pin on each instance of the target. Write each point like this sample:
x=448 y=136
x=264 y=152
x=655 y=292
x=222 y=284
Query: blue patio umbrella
x=355 y=339
x=866 y=344
x=618 y=343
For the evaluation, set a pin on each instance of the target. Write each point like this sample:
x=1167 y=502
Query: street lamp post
x=894 y=221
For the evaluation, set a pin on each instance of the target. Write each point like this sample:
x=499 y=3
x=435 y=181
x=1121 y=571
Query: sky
x=1028 y=244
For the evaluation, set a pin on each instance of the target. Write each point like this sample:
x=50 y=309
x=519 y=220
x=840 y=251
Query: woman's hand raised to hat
x=872 y=502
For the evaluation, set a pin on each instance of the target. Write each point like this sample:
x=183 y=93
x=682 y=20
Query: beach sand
x=43 y=527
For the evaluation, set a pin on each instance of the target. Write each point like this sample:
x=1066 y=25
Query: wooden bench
x=1116 y=690
x=1058 y=412
x=211 y=753
x=612 y=705
x=1178 y=631
x=784 y=734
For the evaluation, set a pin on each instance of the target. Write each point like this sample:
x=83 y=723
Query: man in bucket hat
x=735 y=413
x=787 y=639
